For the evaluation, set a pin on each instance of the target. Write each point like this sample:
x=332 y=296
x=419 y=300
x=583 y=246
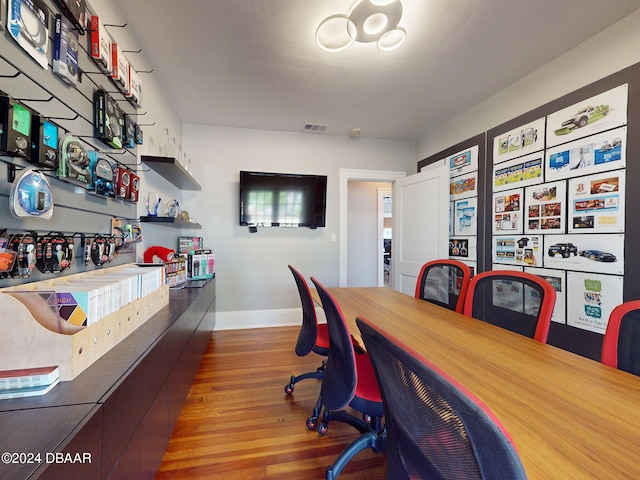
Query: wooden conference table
x=570 y=417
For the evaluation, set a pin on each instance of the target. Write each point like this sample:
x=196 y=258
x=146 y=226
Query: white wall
x=608 y=52
x=254 y=285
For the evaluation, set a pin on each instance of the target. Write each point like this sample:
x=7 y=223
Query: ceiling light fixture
x=368 y=21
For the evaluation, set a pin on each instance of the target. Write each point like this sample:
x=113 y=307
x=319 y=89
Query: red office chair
x=313 y=337
x=444 y=282
x=348 y=380
x=435 y=428
x=518 y=301
x=621 y=343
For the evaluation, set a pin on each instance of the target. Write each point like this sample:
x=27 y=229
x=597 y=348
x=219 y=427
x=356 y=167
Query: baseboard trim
x=258 y=319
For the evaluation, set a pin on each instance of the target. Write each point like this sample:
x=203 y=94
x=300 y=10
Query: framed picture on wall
x=596 y=203
x=527 y=138
x=520 y=172
x=507 y=212
x=545 y=207
x=597 y=253
x=463 y=162
x=599 y=153
x=592 y=115
x=590 y=299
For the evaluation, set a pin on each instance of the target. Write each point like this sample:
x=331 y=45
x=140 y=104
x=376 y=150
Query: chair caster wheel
x=312 y=423
x=323 y=428
x=288 y=389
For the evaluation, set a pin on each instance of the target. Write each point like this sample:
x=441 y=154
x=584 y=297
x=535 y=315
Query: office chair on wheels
x=517 y=301
x=444 y=282
x=435 y=428
x=621 y=342
x=313 y=337
x=348 y=380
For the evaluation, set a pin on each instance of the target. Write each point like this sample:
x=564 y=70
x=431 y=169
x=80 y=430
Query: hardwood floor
x=238 y=424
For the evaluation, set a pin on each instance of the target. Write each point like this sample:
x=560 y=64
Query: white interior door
x=420 y=224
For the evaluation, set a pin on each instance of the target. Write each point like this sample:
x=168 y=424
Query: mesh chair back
x=340 y=376
x=621 y=343
x=435 y=429
x=444 y=282
x=518 y=301
x=309 y=329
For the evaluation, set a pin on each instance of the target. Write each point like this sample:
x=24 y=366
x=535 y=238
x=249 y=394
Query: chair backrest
x=518 y=301
x=340 y=376
x=309 y=329
x=621 y=343
x=436 y=429
x=444 y=282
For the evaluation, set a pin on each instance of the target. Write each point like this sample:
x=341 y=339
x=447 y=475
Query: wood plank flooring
x=238 y=424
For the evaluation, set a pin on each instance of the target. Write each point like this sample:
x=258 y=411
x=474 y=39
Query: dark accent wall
x=573 y=339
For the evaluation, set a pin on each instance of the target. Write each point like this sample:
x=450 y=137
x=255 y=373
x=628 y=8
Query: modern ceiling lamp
x=368 y=21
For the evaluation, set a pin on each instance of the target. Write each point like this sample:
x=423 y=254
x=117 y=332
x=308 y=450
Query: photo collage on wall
x=463 y=206
x=558 y=205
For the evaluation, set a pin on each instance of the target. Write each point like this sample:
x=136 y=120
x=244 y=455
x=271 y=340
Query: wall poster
x=518 y=250
x=464 y=186
x=507 y=212
x=525 y=139
x=601 y=112
x=518 y=173
x=599 y=153
x=591 y=298
x=597 y=253
x=466 y=217
x=596 y=203
x=463 y=249
x=557 y=278
x=463 y=162
x=545 y=208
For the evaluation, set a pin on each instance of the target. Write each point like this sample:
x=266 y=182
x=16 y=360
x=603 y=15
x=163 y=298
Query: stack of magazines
x=28 y=382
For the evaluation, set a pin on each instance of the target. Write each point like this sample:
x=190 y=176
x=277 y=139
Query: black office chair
x=435 y=429
x=621 y=342
x=444 y=282
x=348 y=380
x=514 y=300
x=313 y=337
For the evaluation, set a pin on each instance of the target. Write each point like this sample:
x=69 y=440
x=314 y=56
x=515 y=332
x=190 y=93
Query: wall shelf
x=171 y=222
x=172 y=170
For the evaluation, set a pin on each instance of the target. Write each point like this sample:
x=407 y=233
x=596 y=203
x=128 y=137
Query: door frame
x=346 y=175
x=382 y=193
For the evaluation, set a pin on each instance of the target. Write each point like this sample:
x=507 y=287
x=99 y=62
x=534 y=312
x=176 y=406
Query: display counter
x=114 y=420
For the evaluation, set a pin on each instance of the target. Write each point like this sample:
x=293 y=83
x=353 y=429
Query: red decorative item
x=163 y=253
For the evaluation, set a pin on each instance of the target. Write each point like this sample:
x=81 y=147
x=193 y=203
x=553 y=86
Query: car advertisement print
x=593 y=115
x=587 y=253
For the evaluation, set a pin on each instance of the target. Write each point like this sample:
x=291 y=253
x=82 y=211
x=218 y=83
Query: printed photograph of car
x=564 y=249
x=598 y=255
x=586 y=115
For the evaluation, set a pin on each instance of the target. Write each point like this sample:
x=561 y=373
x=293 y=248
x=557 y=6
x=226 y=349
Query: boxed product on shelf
x=201 y=265
x=190 y=244
x=176 y=271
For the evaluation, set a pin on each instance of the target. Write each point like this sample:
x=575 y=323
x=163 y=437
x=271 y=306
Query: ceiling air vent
x=315 y=127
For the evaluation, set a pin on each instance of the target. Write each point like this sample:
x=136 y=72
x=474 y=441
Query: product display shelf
x=171 y=222
x=27 y=344
x=172 y=170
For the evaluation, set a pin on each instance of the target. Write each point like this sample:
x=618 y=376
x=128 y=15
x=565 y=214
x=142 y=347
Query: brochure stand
x=25 y=343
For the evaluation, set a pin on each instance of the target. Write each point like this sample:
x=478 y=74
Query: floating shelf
x=172 y=170
x=171 y=222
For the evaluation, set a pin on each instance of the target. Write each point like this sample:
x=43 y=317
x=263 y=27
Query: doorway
x=347 y=176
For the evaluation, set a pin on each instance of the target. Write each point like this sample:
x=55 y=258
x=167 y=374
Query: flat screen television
x=282 y=199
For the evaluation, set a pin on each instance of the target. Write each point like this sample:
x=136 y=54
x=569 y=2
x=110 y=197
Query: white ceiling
x=255 y=64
